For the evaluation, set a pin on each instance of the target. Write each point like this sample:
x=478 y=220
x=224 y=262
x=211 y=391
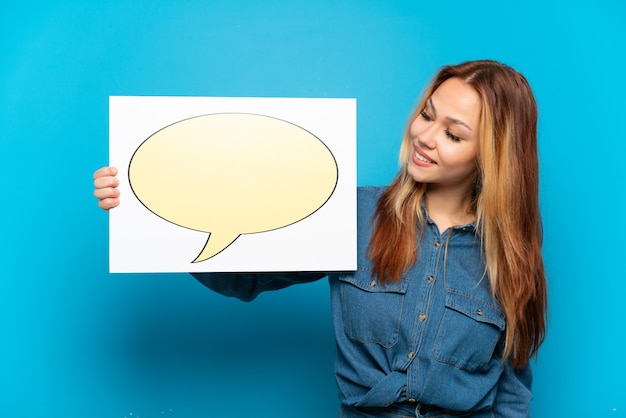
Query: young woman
x=448 y=304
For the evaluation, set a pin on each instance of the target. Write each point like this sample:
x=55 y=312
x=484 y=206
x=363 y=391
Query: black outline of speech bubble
x=210 y=233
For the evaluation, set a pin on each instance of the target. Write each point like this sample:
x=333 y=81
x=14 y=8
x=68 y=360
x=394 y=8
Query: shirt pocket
x=371 y=312
x=468 y=332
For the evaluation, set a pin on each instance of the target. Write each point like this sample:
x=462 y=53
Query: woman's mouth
x=422 y=158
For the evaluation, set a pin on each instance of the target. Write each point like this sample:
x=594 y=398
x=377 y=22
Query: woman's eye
x=452 y=136
x=425 y=116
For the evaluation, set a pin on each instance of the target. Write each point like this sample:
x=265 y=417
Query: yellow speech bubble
x=232 y=173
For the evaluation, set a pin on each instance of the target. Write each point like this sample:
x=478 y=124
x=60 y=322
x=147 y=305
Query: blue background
x=76 y=341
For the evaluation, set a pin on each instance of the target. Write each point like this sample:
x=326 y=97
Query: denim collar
x=467 y=227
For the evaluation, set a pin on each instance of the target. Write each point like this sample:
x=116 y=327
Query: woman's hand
x=106 y=184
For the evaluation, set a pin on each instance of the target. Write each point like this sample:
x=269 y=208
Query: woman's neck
x=448 y=208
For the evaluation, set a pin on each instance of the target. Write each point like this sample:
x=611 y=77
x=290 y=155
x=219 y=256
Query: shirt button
x=412 y=400
x=437 y=244
x=411 y=355
x=479 y=312
x=430 y=279
x=422 y=317
x=373 y=283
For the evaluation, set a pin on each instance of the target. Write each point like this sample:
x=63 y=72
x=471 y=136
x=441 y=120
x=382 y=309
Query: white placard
x=233 y=184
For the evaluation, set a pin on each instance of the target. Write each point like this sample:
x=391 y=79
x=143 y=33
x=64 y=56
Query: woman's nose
x=426 y=137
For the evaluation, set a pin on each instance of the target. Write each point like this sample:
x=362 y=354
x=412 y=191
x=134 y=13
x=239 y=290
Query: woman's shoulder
x=370 y=192
x=367 y=200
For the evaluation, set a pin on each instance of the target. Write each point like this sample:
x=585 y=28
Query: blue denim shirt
x=435 y=337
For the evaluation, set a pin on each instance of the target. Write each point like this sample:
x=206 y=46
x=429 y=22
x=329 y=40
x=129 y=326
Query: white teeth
x=422 y=158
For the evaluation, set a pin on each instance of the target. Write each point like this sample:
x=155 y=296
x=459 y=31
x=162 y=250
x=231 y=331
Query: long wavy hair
x=505 y=202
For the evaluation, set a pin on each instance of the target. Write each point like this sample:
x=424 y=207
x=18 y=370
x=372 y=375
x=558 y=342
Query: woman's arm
x=247 y=286
x=244 y=286
x=514 y=395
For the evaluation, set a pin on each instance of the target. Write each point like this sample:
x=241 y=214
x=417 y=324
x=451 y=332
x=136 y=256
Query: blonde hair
x=504 y=200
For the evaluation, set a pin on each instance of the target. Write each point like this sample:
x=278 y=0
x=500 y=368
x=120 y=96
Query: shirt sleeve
x=247 y=286
x=514 y=392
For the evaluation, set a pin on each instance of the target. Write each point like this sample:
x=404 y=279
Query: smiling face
x=445 y=138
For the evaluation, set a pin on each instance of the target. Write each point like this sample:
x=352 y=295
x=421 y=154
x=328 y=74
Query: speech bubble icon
x=229 y=174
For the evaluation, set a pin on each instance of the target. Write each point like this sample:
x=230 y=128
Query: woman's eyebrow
x=455 y=121
x=429 y=103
